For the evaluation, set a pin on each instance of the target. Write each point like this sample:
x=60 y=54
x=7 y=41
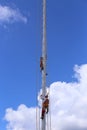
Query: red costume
x=41 y=63
x=45 y=106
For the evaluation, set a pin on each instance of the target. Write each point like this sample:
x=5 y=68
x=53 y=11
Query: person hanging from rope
x=45 y=106
x=41 y=63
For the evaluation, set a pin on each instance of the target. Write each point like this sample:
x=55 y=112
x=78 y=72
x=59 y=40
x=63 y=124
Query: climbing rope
x=37 y=90
x=49 y=110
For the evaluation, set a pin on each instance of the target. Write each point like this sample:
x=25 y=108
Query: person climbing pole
x=45 y=106
x=46 y=103
x=41 y=63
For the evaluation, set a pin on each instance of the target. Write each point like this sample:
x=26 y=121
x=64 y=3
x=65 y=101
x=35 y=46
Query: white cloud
x=9 y=15
x=68 y=106
x=21 y=119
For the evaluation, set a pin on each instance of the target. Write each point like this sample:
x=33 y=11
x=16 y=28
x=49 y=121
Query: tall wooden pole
x=44 y=55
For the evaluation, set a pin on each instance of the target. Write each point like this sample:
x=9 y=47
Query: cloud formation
x=21 y=119
x=9 y=15
x=68 y=106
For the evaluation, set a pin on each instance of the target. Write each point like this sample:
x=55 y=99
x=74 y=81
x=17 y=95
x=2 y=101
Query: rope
x=47 y=123
x=38 y=125
x=36 y=119
x=50 y=118
x=37 y=90
x=49 y=111
x=39 y=119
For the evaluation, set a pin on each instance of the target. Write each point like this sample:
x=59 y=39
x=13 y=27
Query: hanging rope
x=37 y=90
x=50 y=117
x=47 y=122
x=49 y=109
x=39 y=120
x=38 y=125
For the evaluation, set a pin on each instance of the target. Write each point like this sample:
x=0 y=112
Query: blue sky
x=20 y=47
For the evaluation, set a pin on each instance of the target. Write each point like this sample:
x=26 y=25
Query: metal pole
x=44 y=55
